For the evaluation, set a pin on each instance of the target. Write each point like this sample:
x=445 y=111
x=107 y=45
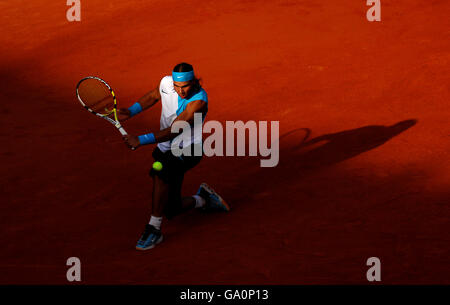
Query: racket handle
x=124 y=133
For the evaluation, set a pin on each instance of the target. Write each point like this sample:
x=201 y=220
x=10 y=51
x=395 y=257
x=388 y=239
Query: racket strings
x=96 y=96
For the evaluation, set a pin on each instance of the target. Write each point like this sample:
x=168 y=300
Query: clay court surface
x=372 y=179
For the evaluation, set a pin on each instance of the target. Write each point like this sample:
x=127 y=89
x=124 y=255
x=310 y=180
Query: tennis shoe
x=213 y=200
x=150 y=238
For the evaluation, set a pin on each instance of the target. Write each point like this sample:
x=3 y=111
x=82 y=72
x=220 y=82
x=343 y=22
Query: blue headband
x=182 y=76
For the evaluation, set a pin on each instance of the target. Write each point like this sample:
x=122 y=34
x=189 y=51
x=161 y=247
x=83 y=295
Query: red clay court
x=372 y=179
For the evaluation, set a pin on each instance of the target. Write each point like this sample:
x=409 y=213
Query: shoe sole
x=210 y=190
x=152 y=246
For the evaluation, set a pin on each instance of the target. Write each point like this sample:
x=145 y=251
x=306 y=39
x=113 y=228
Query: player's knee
x=161 y=174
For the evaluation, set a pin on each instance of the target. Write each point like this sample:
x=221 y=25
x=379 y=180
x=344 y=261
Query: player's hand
x=123 y=114
x=131 y=141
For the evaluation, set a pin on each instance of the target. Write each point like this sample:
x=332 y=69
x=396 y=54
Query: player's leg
x=160 y=196
x=177 y=204
x=152 y=233
x=194 y=201
x=179 y=167
x=205 y=198
x=187 y=203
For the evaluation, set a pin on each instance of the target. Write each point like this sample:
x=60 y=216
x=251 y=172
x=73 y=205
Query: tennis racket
x=98 y=98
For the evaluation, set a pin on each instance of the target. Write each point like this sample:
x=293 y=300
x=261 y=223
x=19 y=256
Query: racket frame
x=115 y=122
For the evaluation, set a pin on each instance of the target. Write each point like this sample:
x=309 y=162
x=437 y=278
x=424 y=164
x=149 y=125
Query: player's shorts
x=172 y=173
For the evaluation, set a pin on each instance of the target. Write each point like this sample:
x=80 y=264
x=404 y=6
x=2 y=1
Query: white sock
x=199 y=201
x=156 y=222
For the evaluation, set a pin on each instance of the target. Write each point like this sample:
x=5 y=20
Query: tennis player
x=181 y=96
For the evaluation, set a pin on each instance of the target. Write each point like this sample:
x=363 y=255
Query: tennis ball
x=157 y=166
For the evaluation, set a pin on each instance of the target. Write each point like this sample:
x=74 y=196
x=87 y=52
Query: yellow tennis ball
x=157 y=166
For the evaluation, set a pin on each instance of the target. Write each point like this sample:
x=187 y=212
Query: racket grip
x=124 y=133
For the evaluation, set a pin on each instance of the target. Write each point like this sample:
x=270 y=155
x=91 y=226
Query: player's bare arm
x=150 y=99
x=145 y=102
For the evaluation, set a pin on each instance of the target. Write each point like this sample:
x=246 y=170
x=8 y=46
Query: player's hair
x=185 y=67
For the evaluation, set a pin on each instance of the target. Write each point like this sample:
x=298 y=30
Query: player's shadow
x=300 y=157
x=332 y=148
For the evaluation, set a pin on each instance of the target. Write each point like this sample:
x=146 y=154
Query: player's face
x=183 y=89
